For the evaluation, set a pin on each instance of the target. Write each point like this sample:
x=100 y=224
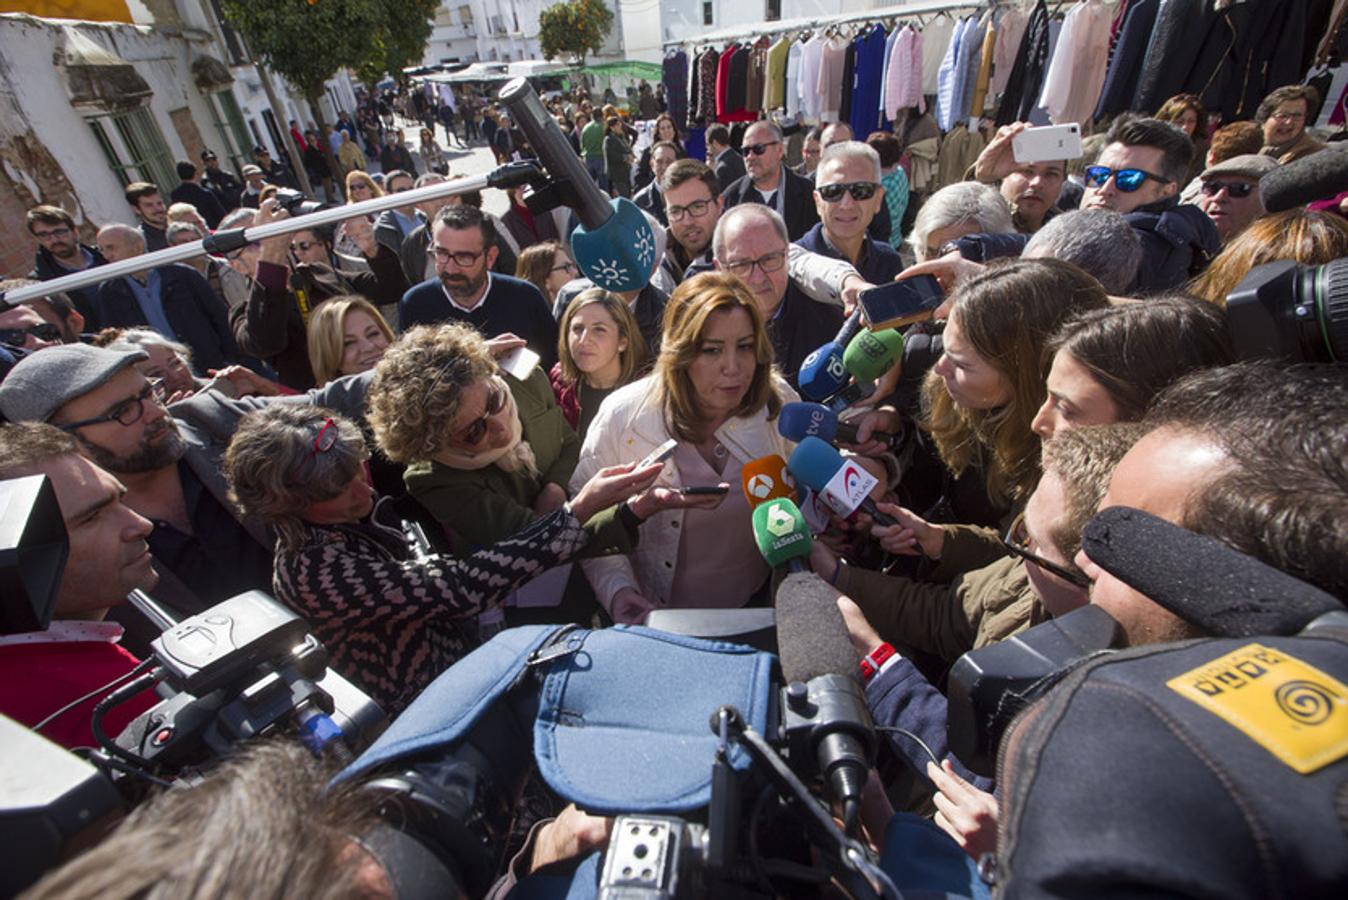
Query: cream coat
x=630 y=425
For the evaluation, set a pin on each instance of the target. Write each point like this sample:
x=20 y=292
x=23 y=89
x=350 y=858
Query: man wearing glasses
x=59 y=252
x=751 y=242
x=22 y=327
x=848 y=196
x=463 y=248
x=771 y=183
x=1229 y=192
x=1139 y=174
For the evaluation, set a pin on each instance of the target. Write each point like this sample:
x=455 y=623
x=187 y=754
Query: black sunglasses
x=758 y=149
x=1236 y=189
x=474 y=433
x=1017 y=540
x=860 y=190
x=1127 y=180
x=16 y=336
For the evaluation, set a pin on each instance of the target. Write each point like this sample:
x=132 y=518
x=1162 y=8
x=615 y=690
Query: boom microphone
x=1316 y=177
x=873 y=353
x=798 y=421
x=781 y=535
x=842 y=484
x=823 y=372
x=614 y=244
x=825 y=710
x=766 y=478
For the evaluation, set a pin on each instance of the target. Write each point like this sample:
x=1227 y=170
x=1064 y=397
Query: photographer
x=44 y=671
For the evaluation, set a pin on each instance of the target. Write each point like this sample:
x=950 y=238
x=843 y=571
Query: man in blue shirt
x=848 y=195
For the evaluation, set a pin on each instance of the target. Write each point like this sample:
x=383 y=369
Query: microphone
x=781 y=535
x=873 y=353
x=801 y=420
x=824 y=707
x=766 y=478
x=1316 y=177
x=823 y=372
x=843 y=485
x=614 y=244
x=850 y=327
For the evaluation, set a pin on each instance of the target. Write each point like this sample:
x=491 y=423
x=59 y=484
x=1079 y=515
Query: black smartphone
x=901 y=302
x=705 y=490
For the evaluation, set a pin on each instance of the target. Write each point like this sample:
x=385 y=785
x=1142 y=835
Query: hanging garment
x=1010 y=31
x=903 y=78
x=708 y=67
x=774 y=87
x=1126 y=62
x=971 y=47
x=936 y=38
x=791 y=84
x=723 y=82
x=832 y=58
x=845 y=94
x=1077 y=71
x=1180 y=26
x=811 y=61
x=948 y=88
x=757 y=75
x=737 y=88
x=884 y=75
x=674 y=76
x=959 y=151
x=1027 y=75
x=978 y=103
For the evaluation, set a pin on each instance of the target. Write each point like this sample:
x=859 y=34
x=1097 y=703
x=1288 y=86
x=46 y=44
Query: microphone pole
x=223 y=242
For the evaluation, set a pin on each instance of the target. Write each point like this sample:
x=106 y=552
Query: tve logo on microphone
x=847 y=488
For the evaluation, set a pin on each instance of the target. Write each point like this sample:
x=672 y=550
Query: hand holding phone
x=900 y=303
x=1051 y=143
x=659 y=454
x=705 y=490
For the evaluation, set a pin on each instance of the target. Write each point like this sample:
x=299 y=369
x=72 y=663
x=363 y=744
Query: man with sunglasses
x=23 y=328
x=848 y=196
x=769 y=182
x=1139 y=174
x=1229 y=192
x=59 y=252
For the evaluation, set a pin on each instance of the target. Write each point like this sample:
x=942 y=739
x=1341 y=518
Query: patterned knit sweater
x=391 y=623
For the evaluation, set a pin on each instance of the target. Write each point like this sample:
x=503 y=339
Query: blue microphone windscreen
x=823 y=373
x=618 y=255
x=798 y=421
x=814 y=462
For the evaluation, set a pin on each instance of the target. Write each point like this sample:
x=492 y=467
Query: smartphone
x=1049 y=143
x=900 y=303
x=659 y=454
x=519 y=362
x=705 y=490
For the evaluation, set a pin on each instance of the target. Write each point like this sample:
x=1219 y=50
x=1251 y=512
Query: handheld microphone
x=824 y=707
x=823 y=372
x=614 y=244
x=842 y=484
x=798 y=421
x=781 y=535
x=766 y=478
x=873 y=353
x=850 y=326
x=1316 y=177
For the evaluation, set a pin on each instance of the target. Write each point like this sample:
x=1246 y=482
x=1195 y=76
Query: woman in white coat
x=714 y=391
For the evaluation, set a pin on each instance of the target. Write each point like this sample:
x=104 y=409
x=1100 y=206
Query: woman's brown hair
x=685 y=323
x=633 y=359
x=1310 y=238
x=534 y=264
x=1007 y=314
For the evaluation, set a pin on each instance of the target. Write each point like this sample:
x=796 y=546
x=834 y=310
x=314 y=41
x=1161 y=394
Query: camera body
x=1289 y=311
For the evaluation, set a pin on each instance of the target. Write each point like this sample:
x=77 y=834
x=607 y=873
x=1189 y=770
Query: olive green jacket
x=480 y=507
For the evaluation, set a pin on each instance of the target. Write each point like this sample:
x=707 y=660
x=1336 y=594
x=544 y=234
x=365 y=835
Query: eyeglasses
x=324 y=441
x=1288 y=116
x=1237 y=189
x=473 y=434
x=238 y=254
x=16 y=336
x=463 y=259
x=129 y=411
x=303 y=246
x=1126 y=180
x=696 y=209
x=759 y=149
x=770 y=262
x=1017 y=540
x=565 y=267
x=860 y=190
x=58 y=232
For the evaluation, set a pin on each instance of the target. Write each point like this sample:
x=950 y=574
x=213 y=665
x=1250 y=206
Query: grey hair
x=853 y=150
x=274 y=472
x=963 y=201
x=176 y=228
x=742 y=211
x=1098 y=240
x=239 y=218
x=136 y=338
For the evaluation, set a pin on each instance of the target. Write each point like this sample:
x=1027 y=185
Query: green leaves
x=574 y=28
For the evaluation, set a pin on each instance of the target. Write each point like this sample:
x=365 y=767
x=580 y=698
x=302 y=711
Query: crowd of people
x=268 y=419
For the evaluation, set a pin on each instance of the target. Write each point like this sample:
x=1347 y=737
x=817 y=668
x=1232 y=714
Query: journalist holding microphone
x=715 y=392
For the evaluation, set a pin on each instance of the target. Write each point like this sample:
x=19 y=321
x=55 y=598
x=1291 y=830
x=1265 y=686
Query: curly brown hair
x=415 y=395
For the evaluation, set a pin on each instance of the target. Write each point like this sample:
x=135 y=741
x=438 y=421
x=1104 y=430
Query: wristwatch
x=875 y=660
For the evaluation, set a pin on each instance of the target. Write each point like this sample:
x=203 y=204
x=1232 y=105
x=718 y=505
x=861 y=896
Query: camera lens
x=1328 y=292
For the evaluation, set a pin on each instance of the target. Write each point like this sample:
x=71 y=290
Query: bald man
x=174 y=300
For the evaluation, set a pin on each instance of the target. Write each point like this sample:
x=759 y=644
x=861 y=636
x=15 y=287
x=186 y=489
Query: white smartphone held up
x=1050 y=143
x=519 y=362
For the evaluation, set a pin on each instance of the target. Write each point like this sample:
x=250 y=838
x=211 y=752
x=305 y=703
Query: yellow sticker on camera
x=1290 y=708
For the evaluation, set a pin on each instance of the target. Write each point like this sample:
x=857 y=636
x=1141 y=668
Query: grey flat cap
x=1249 y=165
x=46 y=380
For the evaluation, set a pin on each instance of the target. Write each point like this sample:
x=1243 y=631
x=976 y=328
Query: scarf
x=516 y=456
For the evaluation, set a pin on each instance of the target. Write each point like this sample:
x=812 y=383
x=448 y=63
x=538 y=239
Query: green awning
x=632 y=68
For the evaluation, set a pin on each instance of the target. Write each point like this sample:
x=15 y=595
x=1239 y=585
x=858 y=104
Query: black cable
x=121 y=695
x=906 y=733
x=141 y=667
x=103 y=761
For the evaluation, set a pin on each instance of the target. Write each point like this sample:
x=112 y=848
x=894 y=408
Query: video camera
x=1287 y=310
x=243 y=669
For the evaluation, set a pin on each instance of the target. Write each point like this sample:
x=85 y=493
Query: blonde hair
x=357 y=175
x=633 y=358
x=685 y=322
x=325 y=333
x=1311 y=238
x=415 y=395
x=275 y=473
x=1007 y=314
